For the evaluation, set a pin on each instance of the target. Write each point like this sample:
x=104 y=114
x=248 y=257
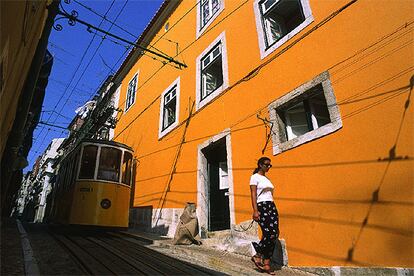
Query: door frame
x=203 y=185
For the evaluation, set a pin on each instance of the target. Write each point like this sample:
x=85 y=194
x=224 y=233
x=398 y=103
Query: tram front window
x=109 y=164
x=126 y=168
x=88 y=162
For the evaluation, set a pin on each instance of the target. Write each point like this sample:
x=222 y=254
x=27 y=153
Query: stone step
x=223 y=261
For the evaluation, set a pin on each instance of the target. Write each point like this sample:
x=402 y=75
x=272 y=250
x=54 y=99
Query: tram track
x=110 y=253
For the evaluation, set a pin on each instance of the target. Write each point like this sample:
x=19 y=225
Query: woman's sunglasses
x=268 y=165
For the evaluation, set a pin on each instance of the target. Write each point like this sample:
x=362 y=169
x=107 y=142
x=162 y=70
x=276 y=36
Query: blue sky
x=83 y=60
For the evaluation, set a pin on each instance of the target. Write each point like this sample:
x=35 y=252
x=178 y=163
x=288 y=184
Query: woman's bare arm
x=253 y=194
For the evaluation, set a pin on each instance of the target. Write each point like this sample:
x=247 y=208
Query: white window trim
x=162 y=133
x=279 y=144
x=261 y=35
x=199 y=30
x=136 y=88
x=222 y=39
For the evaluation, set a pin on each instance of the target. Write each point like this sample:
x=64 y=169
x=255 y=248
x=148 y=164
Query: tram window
x=74 y=161
x=88 y=162
x=68 y=175
x=126 y=168
x=109 y=164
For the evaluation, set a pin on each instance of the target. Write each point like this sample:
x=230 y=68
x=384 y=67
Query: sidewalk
x=237 y=264
x=12 y=259
x=208 y=256
x=47 y=252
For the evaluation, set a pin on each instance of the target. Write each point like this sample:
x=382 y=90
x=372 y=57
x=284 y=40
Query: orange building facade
x=323 y=88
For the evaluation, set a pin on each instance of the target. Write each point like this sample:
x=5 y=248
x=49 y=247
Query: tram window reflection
x=88 y=162
x=126 y=168
x=109 y=164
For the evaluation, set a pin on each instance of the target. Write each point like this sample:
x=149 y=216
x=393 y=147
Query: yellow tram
x=93 y=185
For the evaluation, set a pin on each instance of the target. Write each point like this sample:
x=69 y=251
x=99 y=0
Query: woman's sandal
x=257 y=260
x=266 y=268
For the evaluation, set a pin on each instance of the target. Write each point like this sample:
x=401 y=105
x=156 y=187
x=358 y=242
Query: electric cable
x=73 y=76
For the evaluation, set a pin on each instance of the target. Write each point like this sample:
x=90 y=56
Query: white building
x=42 y=183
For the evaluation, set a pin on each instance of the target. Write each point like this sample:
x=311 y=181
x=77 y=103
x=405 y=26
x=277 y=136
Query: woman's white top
x=264 y=187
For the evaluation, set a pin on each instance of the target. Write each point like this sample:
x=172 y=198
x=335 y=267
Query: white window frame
x=135 y=92
x=220 y=39
x=162 y=133
x=280 y=142
x=200 y=29
x=260 y=28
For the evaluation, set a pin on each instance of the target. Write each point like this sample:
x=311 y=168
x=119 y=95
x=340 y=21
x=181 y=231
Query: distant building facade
x=37 y=184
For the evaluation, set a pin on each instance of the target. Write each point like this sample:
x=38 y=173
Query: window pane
x=319 y=110
x=109 y=164
x=169 y=113
x=206 y=61
x=131 y=92
x=267 y=4
x=208 y=9
x=205 y=13
x=282 y=18
x=126 y=168
x=216 y=5
x=88 y=162
x=274 y=30
x=212 y=78
x=296 y=121
x=169 y=108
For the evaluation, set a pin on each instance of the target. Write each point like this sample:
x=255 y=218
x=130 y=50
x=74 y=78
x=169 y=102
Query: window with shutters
x=212 y=78
x=207 y=11
x=131 y=92
x=307 y=113
x=279 y=20
x=169 y=108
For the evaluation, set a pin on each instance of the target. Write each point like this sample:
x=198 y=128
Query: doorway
x=218 y=189
x=215 y=184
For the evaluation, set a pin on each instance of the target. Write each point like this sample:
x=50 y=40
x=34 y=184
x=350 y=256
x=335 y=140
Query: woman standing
x=265 y=213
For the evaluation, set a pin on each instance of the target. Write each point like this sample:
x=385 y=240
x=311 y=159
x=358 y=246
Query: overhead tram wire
x=116 y=25
x=92 y=57
x=119 y=38
x=90 y=26
x=72 y=78
x=79 y=64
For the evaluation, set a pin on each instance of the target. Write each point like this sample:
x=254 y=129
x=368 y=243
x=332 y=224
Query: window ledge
x=167 y=130
x=305 y=138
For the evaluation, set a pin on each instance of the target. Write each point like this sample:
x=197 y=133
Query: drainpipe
x=16 y=137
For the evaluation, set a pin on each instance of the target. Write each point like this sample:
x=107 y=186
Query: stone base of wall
x=163 y=222
x=238 y=239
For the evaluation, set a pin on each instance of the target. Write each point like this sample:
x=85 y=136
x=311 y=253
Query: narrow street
x=102 y=253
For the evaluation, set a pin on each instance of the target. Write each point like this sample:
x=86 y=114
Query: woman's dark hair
x=261 y=162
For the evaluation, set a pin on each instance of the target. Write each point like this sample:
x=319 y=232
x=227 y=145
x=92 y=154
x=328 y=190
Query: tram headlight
x=105 y=203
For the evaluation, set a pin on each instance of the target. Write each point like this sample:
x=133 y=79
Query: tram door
x=218 y=189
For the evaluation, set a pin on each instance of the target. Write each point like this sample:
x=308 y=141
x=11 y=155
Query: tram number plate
x=86 y=189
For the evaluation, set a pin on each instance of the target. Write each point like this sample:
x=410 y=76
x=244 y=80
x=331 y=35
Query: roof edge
x=165 y=10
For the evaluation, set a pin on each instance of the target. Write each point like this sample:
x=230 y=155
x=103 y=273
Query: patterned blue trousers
x=269 y=223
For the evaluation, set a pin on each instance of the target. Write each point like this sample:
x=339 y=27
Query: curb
x=30 y=264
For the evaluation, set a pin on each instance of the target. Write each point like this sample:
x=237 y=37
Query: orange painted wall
x=324 y=189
